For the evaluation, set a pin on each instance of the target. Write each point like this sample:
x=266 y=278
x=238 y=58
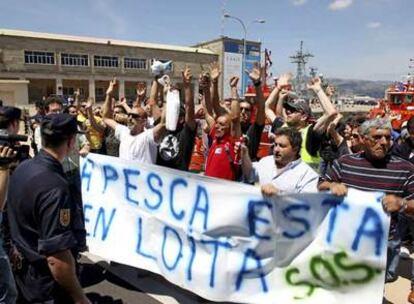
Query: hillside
x=360 y=87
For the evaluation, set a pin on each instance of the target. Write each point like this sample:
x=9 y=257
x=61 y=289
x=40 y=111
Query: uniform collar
x=50 y=162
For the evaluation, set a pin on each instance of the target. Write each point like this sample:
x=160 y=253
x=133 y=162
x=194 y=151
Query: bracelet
x=403 y=205
x=257 y=83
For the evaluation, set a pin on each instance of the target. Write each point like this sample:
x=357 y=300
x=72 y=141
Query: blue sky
x=364 y=39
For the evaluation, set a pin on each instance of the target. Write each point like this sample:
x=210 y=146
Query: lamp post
x=245 y=28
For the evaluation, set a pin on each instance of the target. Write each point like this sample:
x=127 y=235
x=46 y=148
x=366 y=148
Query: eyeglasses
x=137 y=116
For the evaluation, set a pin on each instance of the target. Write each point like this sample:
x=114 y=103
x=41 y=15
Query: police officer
x=43 y=217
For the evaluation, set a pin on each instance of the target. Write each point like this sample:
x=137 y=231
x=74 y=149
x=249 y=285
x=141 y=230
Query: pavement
x=112 y=283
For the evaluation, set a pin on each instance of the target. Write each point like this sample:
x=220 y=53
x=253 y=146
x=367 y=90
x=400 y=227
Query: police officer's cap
x=10 y=113
x=59 y=125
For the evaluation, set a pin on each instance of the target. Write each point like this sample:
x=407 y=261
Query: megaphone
x=160 y=68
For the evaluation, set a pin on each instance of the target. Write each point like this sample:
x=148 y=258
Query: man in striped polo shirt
x=375 y=169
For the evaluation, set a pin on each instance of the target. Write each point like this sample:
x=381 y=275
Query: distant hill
x=360 y=87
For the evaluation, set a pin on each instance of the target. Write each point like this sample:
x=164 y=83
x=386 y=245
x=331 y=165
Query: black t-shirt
x=254 y=134
x=176 y=148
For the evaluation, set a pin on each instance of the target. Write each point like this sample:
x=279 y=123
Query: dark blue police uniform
x=43 y=220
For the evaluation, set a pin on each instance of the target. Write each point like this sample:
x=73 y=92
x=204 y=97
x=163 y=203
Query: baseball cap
x=59 y=125
x=299 y=105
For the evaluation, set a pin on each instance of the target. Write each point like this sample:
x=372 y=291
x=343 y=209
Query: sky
x=354 y=39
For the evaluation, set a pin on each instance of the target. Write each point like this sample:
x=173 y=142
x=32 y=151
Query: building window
x=74 y=59
x=35 y=57
x=135 y=63
x=106 y=61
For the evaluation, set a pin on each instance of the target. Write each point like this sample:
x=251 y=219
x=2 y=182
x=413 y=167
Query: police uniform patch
x=64 y=217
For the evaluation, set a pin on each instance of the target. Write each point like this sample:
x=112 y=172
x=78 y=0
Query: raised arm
x=283 y=83
x=141 y=94
x=256 y=75
x=91 y=117
x=152 y=101
x=204 y=85
x=189 y=99
x=215 y=74
x=235 y=108
x=159 y=129
x=107 y=111
x=76 y=103
x=329 y=110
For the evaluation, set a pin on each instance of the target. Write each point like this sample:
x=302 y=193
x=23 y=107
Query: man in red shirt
x=221 y=157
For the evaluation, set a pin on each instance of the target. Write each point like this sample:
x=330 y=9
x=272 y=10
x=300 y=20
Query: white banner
x=224 y=241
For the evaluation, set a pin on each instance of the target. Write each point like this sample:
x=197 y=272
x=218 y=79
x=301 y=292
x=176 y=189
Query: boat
x=397 y=104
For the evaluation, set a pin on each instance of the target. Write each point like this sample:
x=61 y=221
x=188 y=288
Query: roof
x=106 y=41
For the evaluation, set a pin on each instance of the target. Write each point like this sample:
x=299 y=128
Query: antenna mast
x=301 y=59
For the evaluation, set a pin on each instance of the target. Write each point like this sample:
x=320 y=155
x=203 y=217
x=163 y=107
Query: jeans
x=397 y=234
x=8 y=292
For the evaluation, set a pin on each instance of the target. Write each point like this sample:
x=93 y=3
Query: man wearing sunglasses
x=136 y=142
x=295 y=112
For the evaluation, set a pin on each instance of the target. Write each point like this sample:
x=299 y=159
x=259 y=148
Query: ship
x=397 y=104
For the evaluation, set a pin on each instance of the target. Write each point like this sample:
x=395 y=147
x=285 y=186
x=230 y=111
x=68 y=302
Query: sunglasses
x=137 y=116
x=355 y=135
x=245 y=109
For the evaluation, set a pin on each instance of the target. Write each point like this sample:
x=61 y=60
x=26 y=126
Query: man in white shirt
x=284 y=171
x=136 y=143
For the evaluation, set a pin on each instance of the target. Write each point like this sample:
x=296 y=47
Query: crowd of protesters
x=214 y=137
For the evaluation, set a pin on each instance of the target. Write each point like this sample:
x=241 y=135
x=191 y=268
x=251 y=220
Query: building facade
x=46 y=64
x=231 y=56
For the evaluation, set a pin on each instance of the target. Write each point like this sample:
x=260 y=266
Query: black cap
x=10 y=113
x=300 y=105
x=59 y=125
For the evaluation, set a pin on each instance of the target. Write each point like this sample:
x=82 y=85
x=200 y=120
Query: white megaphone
x=172 y=109
x=159 y=68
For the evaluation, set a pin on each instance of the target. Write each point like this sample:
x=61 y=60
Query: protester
x=136 y=143
x=224 y=130
x=405 y=149
x=43 y=219
x=284 y=171
x=176 y=147
x=375 y=169
x=295 y=112
x=53 y=105
x=94 y=127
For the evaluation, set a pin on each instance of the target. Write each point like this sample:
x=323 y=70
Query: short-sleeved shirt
x=220 y=159
x=41 y=215
x=141 y=147
x=393 y=175
x=95 y=136
x=295 y=177
x=175 y=149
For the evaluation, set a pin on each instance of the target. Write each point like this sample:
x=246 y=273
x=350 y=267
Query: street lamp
x=245 y=28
